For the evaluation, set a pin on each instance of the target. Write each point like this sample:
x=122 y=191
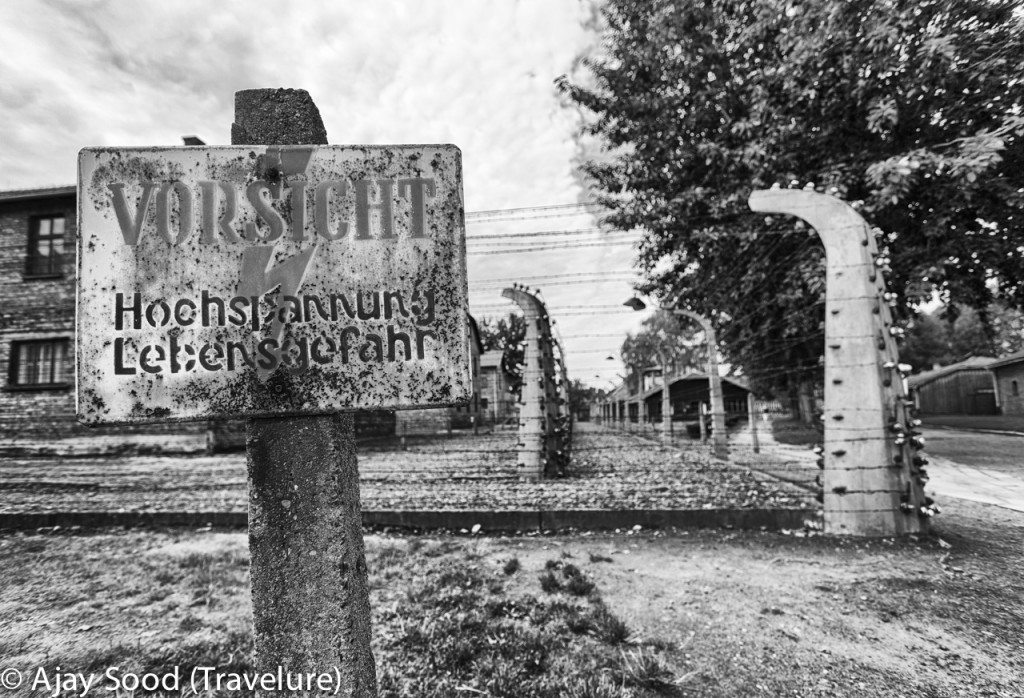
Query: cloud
x=477 y=74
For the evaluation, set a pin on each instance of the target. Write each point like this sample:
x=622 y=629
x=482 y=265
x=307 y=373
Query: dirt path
x=765 y=614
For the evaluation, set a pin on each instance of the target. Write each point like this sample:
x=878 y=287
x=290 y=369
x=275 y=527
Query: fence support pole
x=666 y=402
x=873 y=480
x=752 y=418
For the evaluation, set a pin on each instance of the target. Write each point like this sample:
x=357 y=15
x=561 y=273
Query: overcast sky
x=476 y=74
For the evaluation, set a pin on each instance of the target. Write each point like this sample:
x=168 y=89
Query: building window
x=1014 y=388
x=39 y=364
x=45 y=246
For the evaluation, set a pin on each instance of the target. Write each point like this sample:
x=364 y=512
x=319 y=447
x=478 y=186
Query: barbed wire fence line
x=465 y=457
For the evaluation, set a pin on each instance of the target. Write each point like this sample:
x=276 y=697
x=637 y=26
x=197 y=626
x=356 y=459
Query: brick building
x=37 y=320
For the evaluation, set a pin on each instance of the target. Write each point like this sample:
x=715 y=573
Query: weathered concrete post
x=719 y=436
x=872 y=478
x=666 y=402
x=311 y=608
x=752 y=418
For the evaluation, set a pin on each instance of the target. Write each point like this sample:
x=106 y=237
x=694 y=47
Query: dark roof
x=39 y=193
x=738 y=381
x=620 y=392
x=1007 y=360
x=971 y=363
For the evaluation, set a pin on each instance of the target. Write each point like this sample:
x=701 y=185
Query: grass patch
x=450 y=634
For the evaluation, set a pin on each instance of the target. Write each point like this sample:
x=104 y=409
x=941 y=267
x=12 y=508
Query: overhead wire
x=531 y=209
x=608 y=243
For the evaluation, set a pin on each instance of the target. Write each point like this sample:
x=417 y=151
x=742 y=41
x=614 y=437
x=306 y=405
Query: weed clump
x=511 y=567
x=643 y=669
x=549 y=583
x=579 y=586
x=608 y=627
x=576 y=583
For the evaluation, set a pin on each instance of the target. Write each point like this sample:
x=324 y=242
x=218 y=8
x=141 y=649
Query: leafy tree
x=926 y=344
x=581 y=396
x=502 y=333
x=910 y=110
x=1007 y=329
x=506 y=334
x=945 y=336
x=664 y=338
x=969 y=336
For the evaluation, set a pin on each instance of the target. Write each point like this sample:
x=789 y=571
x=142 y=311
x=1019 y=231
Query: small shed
x=1008 y=376
x=965 y=387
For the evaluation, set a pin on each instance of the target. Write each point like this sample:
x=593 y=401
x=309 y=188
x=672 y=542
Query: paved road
x=980 y=467
x=1001 y=452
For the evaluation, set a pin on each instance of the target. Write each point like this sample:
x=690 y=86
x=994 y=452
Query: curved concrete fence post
x=538 y=404
x=872 y=480
x=719 y=437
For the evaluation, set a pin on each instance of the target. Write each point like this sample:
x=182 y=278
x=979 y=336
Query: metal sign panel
x=259 y=280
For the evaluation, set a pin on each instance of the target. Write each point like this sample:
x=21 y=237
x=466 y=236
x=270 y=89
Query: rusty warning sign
x=259 y=280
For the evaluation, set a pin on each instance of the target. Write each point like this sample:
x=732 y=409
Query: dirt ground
x=730 y=613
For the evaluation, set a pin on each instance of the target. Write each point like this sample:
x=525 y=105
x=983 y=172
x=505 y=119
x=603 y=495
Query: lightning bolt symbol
x=259 y=278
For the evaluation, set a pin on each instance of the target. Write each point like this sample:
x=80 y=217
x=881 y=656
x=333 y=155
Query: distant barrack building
x=38 y=230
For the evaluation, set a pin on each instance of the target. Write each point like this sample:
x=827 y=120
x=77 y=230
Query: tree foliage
x=581 y=396
x=909 y=109
x=507 y=335
x=663 y=338
x=948 y=335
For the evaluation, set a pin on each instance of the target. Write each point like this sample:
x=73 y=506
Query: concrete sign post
x=872 y=477
x=291 y=283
